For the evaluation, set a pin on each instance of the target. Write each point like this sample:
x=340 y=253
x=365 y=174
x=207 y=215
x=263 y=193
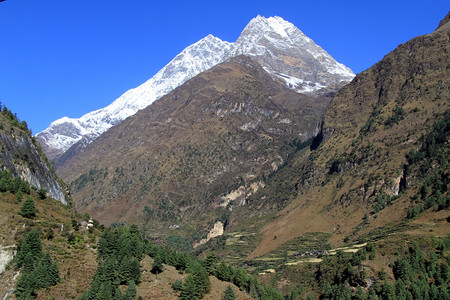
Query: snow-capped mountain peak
x=280 y=47
x=286 y=52
x=65 y=132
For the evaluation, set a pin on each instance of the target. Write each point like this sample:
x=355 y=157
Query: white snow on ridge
x=298 y=84
x=64 y=132
x=277 y=24
x=267 y=40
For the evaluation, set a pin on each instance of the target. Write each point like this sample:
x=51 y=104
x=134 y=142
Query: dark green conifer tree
x=19 y=196
x=42 y=193
x=3 y=185
x=157 y=266
x=31 y=244
x=28 y=263
x=135 y=271
x=105 y=292
x=130 y=293
x=24 y=287
x=28 y=209
x=229 y=294
x=224 y=272
x=211 y=262
x=201 y=279
x=189 y=290
x=240 y=279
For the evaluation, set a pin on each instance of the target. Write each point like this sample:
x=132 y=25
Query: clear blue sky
x=66 y=58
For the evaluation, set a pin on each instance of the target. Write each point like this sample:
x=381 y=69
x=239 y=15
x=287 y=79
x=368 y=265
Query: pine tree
x=3 y=185
x=229 y=294
x=225 y=272
x=31 y=244
x=189 y=290
x=24 y=288
x=51 y=270
x=240 y=279
x=19 y=196
x=42 y=193
x=201 y=279
x=135 y=270
x=125 y=270
x=117 y=294
x=177 y=285
x=211 y=261
x=157 y=266
x=130 y=293
x=28 y=263
x=28 y=209
x=105 y=291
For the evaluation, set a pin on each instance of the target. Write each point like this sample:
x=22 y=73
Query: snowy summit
x=280 y=47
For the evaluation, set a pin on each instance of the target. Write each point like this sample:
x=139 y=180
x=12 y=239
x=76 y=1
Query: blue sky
x=66 y=58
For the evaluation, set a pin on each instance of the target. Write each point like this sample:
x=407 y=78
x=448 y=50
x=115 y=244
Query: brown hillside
x=222 y=131
x=369 y=127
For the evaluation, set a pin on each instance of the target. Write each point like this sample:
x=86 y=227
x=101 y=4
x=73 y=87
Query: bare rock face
x=20 y=155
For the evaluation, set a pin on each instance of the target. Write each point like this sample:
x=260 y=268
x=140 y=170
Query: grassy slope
x=368 y=149
x=77 y=262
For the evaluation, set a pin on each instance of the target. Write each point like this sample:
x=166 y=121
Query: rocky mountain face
x=23 y=156
x=286 y=52
x=384 y=139
x=196 y=152
x=281 y=48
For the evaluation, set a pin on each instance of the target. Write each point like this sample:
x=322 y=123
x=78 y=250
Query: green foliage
x=211 y=261
x=432 y=162
x=398 y=114
x=11 y=184
x=177 y=285
x=381 y=201
x=28 y=209
x=131 y=292
x=119 y=252
x=201 y=278
x=229 y=294
x=416 y=275
x=189 y=290
x=38 y=271
x=42 y=193
x=14 y=120
x=31 y=245
x=157 y=265
x=180 y=243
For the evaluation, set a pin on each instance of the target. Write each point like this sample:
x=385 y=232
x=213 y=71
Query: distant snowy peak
x=286 y=52
x=280 y=47
x=199 y=57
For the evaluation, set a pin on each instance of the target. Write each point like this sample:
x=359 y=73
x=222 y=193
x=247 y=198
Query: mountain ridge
x=221 y=131
x=359 y=179
x=209 y=51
